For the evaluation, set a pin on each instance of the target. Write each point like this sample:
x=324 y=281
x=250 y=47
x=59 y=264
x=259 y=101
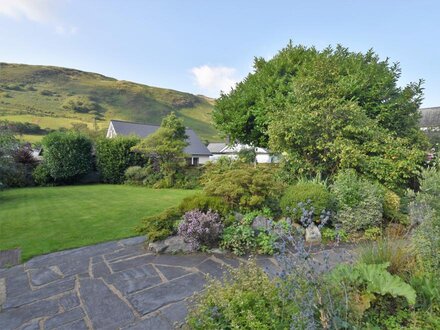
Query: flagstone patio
x=114 y=285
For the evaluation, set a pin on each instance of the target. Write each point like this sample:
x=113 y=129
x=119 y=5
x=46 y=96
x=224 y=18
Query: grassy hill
x=41 y=95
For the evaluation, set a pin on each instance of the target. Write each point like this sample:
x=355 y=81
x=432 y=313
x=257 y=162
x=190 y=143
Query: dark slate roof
x=195 y=147
x=430 y=117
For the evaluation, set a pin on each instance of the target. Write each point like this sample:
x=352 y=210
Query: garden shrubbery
x=319 y=196
x=359 y=202
x=243 y=186
x=201 y=229
x=114 y=156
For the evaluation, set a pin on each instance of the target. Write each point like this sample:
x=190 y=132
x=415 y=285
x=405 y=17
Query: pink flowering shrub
x=200 y=229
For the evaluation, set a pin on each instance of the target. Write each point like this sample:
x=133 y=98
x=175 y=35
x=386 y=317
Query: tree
x=165 y=148
x=327 y=110
x=114 y=156
x=67 y=156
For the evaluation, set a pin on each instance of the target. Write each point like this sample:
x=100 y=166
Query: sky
x=205 y=46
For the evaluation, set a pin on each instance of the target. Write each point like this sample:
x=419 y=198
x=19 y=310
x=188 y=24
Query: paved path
x=115 y=285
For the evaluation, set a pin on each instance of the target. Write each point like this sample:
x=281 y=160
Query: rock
x=260 y=223
x=313 y=235
x=173 y=244
x=217 y=251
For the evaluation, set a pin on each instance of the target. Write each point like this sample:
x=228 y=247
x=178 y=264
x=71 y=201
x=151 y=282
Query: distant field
x=37 y=94
x=47 y=219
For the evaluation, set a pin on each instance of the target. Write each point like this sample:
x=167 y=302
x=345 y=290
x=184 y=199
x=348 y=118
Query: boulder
x=313 y=235
x=260 y=223
x=172 y=244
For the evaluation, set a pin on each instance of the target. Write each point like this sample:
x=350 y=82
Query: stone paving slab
x=113 y=285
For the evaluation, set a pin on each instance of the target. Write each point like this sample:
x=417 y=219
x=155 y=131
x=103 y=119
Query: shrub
x=204 y=203
x=391 y=205
x=114 y=156
x=359 y=202
x=160 y=226
x=247 y=299
x=200 y=229
x=80 y=103
x=320 y=198
x=425 y=214
x=373 y=233
x=239 y=239
x=330 y=234
x=136 y=174
x=41 y=175
x=68 y=156
x=245 y=187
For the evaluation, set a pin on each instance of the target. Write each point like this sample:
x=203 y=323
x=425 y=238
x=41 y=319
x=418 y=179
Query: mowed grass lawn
x=46 y=219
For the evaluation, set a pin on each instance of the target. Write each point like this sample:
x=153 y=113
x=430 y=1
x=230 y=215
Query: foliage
x=8 y=145
x=241 y=237
x=200 y=229
x=330 y=235
x=246 y=299
x=160 y=226
x=329 y=110
x=22 y=128
x=114 y=156
x=247 y=155
x=204 y=203
x=425 y=216
x=238 y=238
x=400 y=257
x=136 y=174
x=243 y=186
x=80 y=103
x=373 y=233
x=320 y=198
x=359 y=202
x=165 y=149
x=68 y=156
x=41 y=175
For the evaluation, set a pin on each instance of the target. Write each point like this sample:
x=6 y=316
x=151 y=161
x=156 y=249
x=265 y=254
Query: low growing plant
x=200 y=229
x=245 y=299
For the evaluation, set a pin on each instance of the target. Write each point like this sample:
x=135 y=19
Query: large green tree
x=165 y=148
x=327 y=110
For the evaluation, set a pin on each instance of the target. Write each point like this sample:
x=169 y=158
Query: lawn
x=46 y=219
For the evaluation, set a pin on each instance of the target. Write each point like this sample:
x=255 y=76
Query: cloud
x=213 y=79
x=39 y=11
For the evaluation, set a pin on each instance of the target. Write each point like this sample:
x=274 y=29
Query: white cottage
x=196 y=149
x=224 y=150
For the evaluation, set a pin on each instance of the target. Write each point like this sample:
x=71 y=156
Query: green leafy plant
x=244 y=299
x=373 y=233
x=114 y=156
x=359 y=202
x=243 y=186
x=321 y=199
x=67 y=156
x=160 y=226
x=239 y=238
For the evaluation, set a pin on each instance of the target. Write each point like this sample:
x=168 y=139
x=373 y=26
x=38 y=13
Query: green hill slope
x=52 y=97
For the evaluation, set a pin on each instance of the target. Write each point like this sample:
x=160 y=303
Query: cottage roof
x=430 y=117
x=195 y=147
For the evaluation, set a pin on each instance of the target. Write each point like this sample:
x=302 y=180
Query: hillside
x=55 y=97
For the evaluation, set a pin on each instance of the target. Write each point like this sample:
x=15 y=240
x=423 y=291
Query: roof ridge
x=135 y=123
